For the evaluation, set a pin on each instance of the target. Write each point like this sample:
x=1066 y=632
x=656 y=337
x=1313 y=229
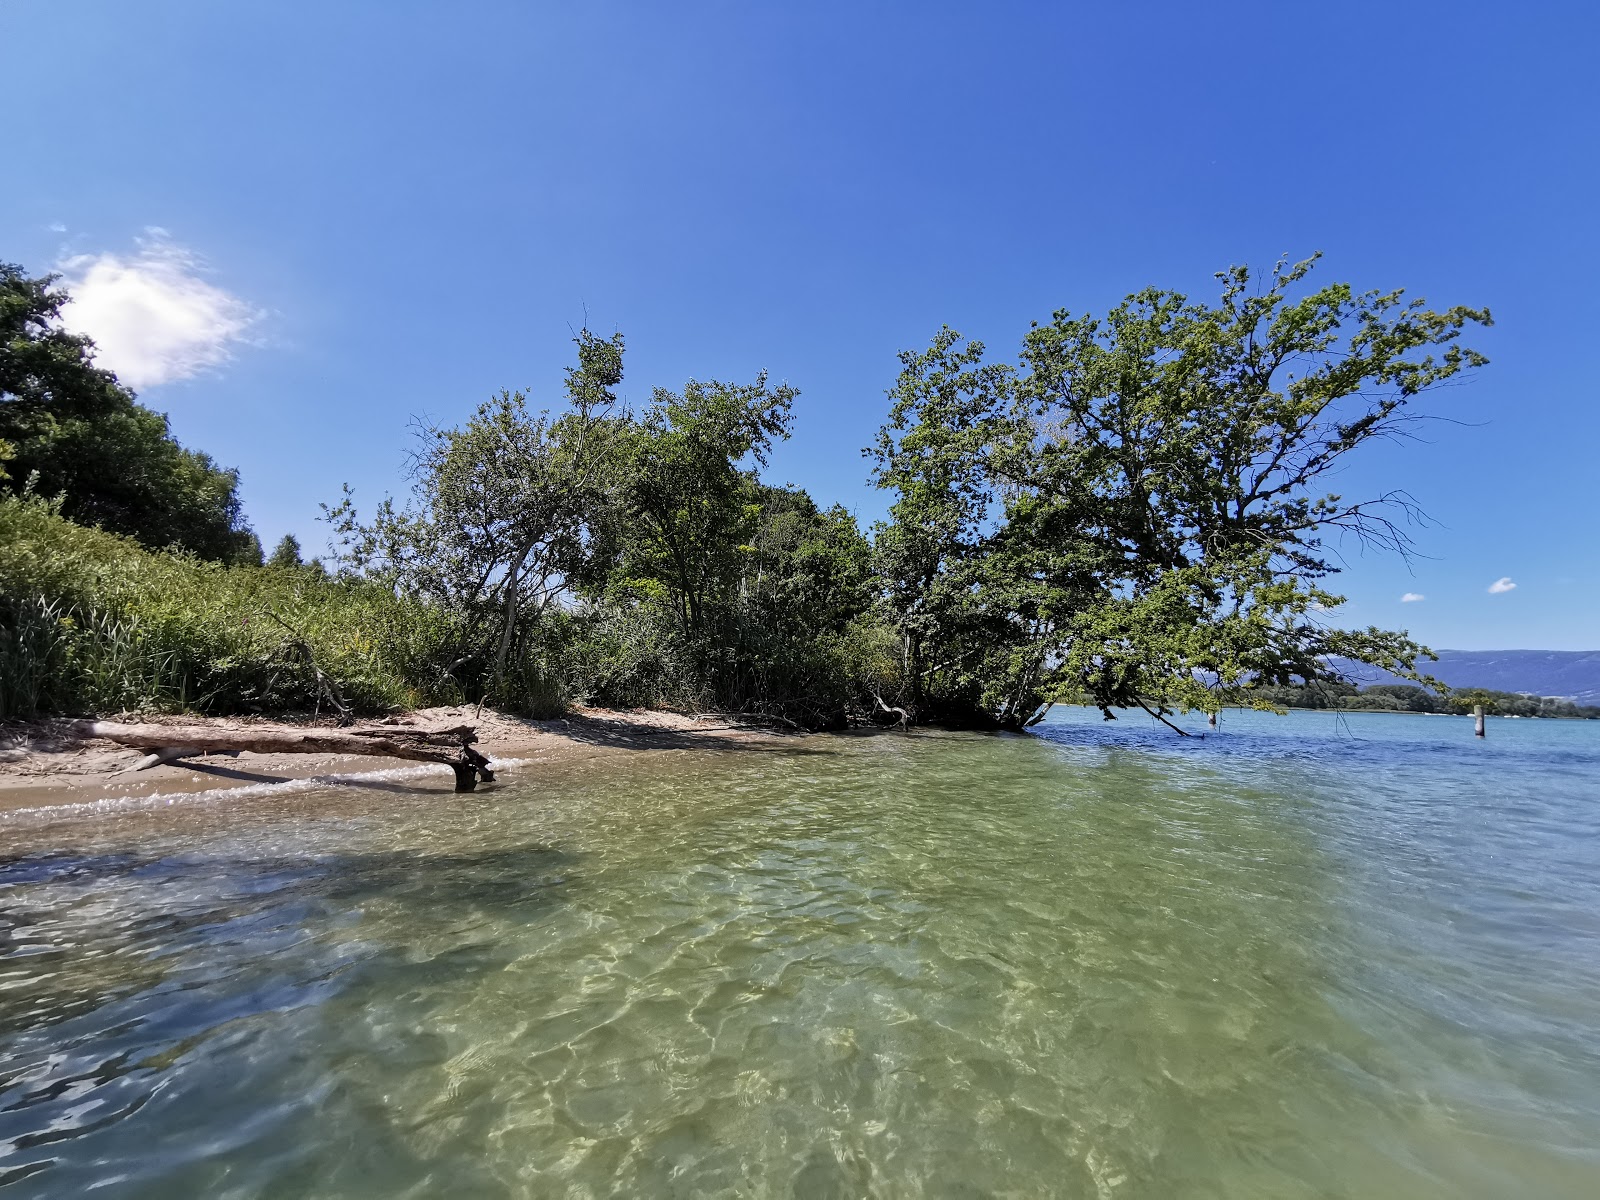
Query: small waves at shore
x=418 y=775
x=1284 y=961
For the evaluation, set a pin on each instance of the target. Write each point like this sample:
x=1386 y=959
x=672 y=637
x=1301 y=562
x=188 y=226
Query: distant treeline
x=1399 y=697
x=1132 y=511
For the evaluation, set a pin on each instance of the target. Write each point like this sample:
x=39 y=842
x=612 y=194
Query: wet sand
x=42 y=766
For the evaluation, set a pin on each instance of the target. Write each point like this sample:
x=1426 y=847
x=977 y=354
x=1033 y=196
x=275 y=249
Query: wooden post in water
x=1477 y=720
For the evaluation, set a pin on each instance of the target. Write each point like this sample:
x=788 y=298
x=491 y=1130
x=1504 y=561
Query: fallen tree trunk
x=905 y=717
x=452 y=746
x=170 y=754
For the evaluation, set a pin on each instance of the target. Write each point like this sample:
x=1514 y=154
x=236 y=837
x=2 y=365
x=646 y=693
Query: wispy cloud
x=153 y=315
x=1503 y=584
x=56 y=227
x=1412 y=597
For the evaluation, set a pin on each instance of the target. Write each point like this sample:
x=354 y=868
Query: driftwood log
x=169 y=743
x=905 y=717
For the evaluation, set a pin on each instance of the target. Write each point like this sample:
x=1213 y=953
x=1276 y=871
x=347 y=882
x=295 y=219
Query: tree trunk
x=415 y=745
x=513 y=578
x=1175 y=729
x=905 y=717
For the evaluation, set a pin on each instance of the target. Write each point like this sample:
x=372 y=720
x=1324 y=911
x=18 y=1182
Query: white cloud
x=1412 y=597
x=56 y=227
x=1503 y=584
x=153 y=316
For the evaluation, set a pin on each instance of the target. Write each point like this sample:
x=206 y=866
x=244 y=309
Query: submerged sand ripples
x=928 y=966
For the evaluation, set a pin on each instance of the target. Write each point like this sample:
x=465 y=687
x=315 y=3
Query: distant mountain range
x=1574 y=674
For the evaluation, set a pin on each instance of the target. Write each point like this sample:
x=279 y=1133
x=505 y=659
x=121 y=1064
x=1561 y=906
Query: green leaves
x=1135 y=510
x=503 y=515
x=73 y=431
x=680 y=503
x=637 y=556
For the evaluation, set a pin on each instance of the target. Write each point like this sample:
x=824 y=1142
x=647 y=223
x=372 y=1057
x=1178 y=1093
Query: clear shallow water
x=1307 y=956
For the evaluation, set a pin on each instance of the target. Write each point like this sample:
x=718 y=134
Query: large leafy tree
x=1138 y=510
x=807 y=571
x=741 y=594
x=675 y=574
x=501 y=511
x=801 y=648
x=685 y=504
x=68 y=428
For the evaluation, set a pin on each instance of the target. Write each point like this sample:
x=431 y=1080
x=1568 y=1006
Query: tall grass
x=90 y=622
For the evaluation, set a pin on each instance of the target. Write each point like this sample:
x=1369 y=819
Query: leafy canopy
x=683 y=507
x=500 y=510
x=69 y=429
x=1137 y=511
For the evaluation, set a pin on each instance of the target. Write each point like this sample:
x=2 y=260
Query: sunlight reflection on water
x=1301 y=957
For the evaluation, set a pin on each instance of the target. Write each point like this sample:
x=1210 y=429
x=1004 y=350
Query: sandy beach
x=43 y=765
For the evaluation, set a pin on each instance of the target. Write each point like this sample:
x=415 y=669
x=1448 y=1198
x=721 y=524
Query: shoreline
x=43 y=770
x=1406 y=712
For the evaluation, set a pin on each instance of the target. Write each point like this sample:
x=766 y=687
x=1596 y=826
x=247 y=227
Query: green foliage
x=1403 y=697
x=626 y=558
x=710 y=588
x=680 y=511
x=93 y=622
x=1134 y=511
x=498 y=521
x=69 y=429
x=1133 y=514
x=1467 y=699
x=286 y=553
x=1518 y=704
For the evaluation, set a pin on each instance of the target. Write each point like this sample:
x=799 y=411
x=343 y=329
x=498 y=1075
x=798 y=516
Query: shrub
x=92 y=622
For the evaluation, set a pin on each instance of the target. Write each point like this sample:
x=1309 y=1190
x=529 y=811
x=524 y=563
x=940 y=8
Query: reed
x=93 y=623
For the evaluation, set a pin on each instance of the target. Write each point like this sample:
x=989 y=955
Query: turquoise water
x=1305 y=956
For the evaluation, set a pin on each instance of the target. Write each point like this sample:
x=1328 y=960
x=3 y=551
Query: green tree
x=68 y=428
x=1466 y=699
x=638 y=552
x=954 y=582
x=1135 y=511
x=807 y=570
x=1408 y=697
x=286 y=553
x=683 y=506
x=498 y=522
x=797 y=633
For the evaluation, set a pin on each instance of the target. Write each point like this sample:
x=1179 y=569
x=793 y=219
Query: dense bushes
x=639 y=655
x=630 y=557
x=92 y=622
x=1406 y=697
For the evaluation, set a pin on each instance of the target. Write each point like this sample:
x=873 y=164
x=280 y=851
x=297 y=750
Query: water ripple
x=1300 y=958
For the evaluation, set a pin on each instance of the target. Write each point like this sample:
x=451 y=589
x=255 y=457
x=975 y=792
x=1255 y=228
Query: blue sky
x=377 y=210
